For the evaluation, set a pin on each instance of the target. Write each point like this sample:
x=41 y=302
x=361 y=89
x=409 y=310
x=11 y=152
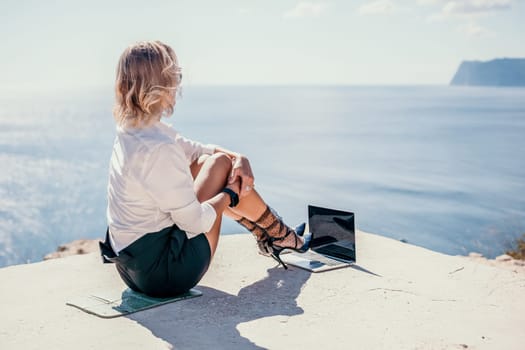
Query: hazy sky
x=57 y=44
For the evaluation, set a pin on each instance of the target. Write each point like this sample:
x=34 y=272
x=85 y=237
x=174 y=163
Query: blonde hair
x=148 y=77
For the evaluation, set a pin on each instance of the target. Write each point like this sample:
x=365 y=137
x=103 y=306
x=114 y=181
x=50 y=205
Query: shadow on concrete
x=210 y=321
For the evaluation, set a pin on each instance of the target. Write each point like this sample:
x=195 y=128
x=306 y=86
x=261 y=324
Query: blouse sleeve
x=167 y=179
x=193 y=149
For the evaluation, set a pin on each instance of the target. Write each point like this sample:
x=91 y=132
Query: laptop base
x=313 y=261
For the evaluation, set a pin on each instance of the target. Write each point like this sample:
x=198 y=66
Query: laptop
x=333 y=243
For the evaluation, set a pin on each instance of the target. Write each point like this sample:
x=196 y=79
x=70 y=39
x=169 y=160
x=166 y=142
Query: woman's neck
x=140 y=124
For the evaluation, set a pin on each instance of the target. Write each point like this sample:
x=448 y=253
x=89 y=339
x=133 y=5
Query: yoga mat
x=109 y=304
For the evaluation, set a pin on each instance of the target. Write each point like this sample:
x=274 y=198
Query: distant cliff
x=498 y=72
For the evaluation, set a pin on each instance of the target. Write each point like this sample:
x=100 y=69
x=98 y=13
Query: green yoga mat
x=109 y=304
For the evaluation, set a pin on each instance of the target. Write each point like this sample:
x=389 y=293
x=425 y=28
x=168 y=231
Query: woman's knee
x=197 y=164
x=213 y=176
x=217 y=161
x=221 y=161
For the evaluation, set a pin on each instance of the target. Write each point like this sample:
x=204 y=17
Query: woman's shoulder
x=140 y=150
x=167 y=129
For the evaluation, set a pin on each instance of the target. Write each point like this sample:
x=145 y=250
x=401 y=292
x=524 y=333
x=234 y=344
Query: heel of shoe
x=275 y=251
x=272 y=250
x=276 y=255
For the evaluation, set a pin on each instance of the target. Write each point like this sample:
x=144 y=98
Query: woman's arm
x=233 y=155
x=222 y=200
x=241 y=168
x=169 y=182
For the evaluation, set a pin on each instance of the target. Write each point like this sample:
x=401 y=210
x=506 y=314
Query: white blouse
x=151 y=187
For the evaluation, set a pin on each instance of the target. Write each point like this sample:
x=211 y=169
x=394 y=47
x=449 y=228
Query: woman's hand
x=242 y=170
x=235 y=186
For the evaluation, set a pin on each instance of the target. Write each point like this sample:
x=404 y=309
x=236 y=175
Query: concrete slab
x=399 y=296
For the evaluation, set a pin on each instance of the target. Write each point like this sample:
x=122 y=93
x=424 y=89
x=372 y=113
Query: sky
x=76 y=44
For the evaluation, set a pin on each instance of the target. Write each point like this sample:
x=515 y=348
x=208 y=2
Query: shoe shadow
x=210 y=321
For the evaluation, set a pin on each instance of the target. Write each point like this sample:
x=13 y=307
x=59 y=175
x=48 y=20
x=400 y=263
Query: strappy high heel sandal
x=263 y=244
x=275 y=250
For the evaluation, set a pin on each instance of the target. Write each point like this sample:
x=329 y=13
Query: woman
x=166 y=193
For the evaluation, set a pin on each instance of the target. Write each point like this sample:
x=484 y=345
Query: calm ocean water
x=440 y=167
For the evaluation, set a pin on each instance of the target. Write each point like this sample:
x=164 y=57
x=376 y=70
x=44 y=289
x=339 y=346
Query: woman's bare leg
x=196 y=168
x=251 y=206
x=210 y=176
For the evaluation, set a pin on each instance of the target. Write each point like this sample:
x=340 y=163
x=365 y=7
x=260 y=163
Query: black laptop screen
x=330 y=225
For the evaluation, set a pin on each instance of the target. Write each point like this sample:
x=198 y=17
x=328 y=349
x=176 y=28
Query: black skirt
x=161 y=264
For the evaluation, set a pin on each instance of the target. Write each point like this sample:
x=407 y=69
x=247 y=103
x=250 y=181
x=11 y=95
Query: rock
x=497 y=72
x=80 y=246
x=504 y=257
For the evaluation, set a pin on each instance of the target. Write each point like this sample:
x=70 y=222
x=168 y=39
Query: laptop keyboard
x=335 y=251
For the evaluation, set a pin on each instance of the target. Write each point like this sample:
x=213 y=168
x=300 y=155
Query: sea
x=440 y=167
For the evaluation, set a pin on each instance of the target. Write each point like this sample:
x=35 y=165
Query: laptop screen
x=330 y=225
